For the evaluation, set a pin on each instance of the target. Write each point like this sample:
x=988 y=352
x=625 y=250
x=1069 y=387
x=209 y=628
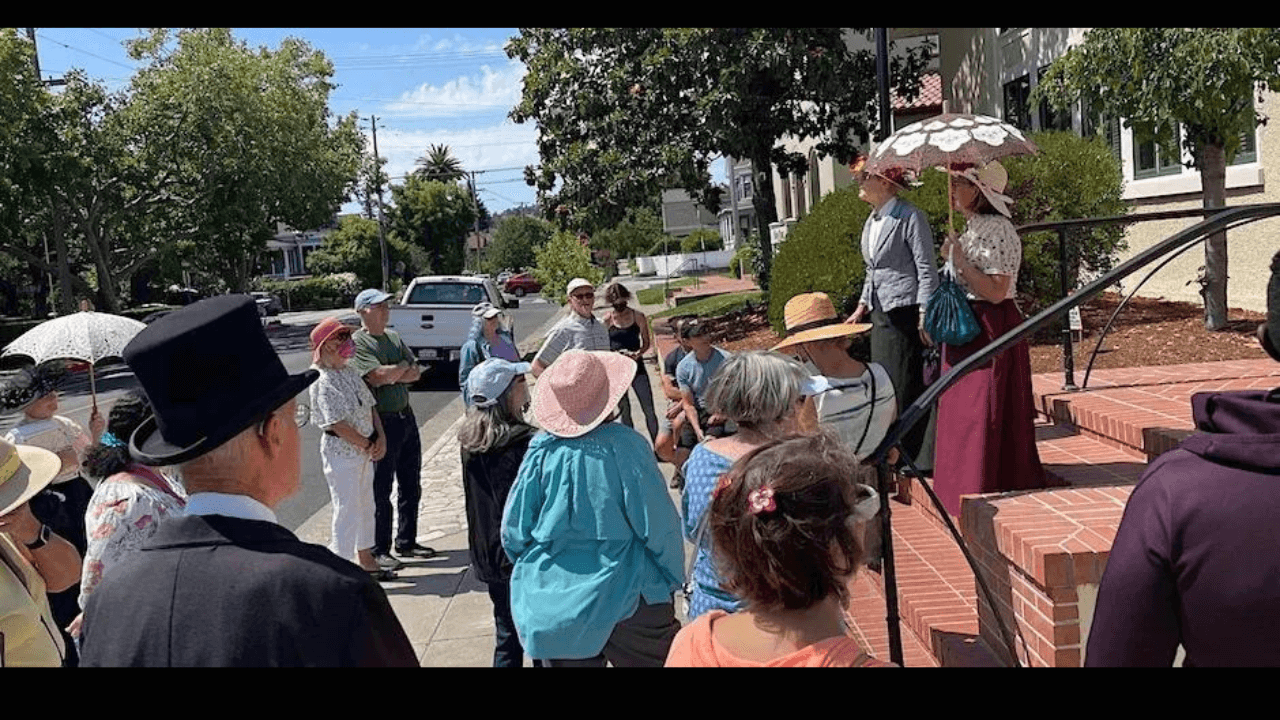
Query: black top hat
x=210 y=373
x=31 y=384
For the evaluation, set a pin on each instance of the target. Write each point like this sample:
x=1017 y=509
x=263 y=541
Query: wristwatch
x=41 y=538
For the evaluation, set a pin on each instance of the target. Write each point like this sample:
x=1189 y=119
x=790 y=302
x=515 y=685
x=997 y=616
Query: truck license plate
x=454 y=355
x=426 y=354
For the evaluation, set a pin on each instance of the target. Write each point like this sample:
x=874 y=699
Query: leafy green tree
x=1159 y=79
x=438 y=164
x=515 y=242
x=245 y=138
x=701 y=239
x=354 y=247
x=623 y=113
x=372 y=178
x=562 y=259
x=434 y=216
x=633 y=236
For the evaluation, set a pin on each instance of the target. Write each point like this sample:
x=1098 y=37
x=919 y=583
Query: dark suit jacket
x=216 y=591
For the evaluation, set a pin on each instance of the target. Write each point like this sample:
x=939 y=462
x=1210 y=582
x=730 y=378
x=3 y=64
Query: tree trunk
x=66 y=304
x=766 y=214
x=1213 y=281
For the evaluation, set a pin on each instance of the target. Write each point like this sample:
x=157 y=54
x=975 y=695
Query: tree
x=633 y=236
x=243 y=139
x=354 y=247
x=516 y=239
x=1158 y=80
x=562 y=259
x=371 y=180
x=436 y=217
x=625 y=113
x=701 y=239
x=439 y=164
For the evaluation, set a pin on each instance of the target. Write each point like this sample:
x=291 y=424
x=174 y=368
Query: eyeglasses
x=583 y=296
x=301 y=416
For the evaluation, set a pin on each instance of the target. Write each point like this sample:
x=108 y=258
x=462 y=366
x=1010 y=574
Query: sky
x=425 y=86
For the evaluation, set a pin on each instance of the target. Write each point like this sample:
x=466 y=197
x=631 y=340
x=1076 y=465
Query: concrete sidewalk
x=444 y=609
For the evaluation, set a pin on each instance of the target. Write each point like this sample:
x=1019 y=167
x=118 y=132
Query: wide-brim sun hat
x=24 y=471
x=321 y=333
x=31 y=384
x=899 y=177
x=210 y=373
x=580 y=390
x=812 y=316
x=991 y=180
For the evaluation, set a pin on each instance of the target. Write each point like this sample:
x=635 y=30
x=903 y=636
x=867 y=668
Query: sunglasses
x=583 y=296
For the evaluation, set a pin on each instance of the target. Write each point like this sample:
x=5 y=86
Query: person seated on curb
x=226 y=585
x=674 y=443
x=1192 y=563
x=693 y=375
x=34 y=562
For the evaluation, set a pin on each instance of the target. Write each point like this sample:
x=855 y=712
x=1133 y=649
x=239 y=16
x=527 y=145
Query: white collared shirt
x=236 y=506
x=877 y=223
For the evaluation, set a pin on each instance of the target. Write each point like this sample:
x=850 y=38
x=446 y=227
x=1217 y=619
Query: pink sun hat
x=579 y=391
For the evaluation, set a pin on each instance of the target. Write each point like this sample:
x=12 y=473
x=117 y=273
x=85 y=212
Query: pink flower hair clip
x=761 y=500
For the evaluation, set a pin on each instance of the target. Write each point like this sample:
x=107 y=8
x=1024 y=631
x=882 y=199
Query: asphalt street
x=290 y=337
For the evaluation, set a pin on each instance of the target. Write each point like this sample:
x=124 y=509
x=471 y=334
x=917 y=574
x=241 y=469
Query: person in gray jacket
x=897 y=247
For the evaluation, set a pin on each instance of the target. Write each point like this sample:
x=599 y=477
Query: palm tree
x=439 y=164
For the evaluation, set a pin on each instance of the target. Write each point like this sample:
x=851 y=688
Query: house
x=289 y=249
x=737 y=210
x=681 y=214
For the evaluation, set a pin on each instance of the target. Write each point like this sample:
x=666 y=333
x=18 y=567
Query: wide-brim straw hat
x=812 y=316
x=991 y=180
x=24 y=471
x=580 y=390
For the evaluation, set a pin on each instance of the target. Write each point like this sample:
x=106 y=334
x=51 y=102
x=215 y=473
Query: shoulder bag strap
x=871 y=411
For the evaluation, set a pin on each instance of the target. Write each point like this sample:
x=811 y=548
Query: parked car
x=503 y=277
x=434 y=314
x=268 y=304
x=522 y=284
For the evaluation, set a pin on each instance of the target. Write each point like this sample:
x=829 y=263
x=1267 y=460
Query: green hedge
x=324 y=292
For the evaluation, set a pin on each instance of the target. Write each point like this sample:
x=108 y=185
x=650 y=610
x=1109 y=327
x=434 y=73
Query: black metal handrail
x=1061 y=227
x=1222 y=219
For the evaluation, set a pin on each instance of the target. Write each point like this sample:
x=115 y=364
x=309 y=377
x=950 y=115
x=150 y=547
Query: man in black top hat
x=226 y=585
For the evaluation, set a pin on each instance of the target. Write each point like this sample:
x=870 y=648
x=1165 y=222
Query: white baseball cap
x=576 y=283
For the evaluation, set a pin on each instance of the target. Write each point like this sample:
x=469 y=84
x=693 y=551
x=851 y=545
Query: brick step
x=1145 y=411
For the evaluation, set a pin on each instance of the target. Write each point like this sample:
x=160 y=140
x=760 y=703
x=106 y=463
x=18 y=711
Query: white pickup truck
x=434 y=314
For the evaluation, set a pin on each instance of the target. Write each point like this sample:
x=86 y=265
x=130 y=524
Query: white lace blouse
x=991 y=245
x=341 y=396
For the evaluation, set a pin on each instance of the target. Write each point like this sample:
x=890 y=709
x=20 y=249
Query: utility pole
x=64 y=270
x=475 y=204
x=382 y=238
x=882 y=79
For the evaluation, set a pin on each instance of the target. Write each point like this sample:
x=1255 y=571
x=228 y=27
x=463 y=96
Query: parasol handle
x=93 y=388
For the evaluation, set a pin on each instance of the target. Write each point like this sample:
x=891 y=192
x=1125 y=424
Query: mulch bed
x=1149 y=331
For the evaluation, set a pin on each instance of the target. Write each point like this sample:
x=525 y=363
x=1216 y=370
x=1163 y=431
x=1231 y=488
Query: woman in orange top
x=785 y=525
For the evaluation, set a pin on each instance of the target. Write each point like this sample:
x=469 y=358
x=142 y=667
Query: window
x=744 y=187
x=1017 y=105
x=1148 y=161
x=786 y=198
x=1049 y=118
x=802 y=197
x=1108 y=128
x=1248 y=151
x=448 y=294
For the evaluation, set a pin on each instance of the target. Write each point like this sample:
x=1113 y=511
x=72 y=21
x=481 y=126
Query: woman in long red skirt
x=986 y=421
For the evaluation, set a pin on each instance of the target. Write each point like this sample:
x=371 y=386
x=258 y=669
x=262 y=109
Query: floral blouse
x=991 y=245
x=125 y=511
x=341 y=396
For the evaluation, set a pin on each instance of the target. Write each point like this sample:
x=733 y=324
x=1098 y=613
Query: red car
x=521 y=284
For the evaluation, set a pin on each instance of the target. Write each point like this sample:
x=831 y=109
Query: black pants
x=896 y=345
x=642 y=640
x=507 y=650
x=403 y=461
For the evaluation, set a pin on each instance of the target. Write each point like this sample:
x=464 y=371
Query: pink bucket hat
x=579 y=391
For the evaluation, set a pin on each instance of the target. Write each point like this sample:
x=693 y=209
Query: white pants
x=351 y=487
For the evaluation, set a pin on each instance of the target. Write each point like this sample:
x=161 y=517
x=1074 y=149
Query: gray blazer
x=900 y=262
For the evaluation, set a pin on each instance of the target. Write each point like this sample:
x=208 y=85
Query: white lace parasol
x=88 y=336
x=949 y=139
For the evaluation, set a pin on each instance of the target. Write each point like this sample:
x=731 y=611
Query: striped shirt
x=573 y=333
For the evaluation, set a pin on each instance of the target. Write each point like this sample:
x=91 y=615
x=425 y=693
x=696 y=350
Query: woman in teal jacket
x=593 y=535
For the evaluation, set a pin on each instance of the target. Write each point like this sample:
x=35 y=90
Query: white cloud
x=466 y=95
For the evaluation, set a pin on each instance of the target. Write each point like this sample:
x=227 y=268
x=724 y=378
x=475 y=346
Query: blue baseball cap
x=490 y=379
x=370 y=297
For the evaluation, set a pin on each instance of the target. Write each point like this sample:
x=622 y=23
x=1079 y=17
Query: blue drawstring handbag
x=948 y=318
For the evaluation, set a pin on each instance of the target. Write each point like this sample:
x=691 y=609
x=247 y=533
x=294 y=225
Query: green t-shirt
x=385 y=349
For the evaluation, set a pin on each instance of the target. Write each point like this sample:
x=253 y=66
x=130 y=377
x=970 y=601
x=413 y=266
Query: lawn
x=654 y=295
x=715 y=305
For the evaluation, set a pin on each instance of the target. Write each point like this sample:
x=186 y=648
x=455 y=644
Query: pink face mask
x=347 y=350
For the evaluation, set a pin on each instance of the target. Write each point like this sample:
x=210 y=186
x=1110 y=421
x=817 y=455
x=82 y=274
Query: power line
x=86 y=52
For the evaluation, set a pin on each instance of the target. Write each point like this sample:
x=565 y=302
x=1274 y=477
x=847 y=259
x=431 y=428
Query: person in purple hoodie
x=1193 y=563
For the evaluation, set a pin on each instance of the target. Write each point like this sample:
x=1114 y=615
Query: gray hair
x=756 y=387
x=489 y=428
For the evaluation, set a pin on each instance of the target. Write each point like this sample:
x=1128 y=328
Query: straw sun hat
x=24 y=471
x=580 y=390
x=811 y=317
x=991 y=180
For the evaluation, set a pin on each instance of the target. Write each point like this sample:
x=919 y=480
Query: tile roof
x=930 y=94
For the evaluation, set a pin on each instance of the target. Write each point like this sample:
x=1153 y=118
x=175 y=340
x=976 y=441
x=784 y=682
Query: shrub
x=822 y=254
x=744 y=258
x=323 y=292
x=562 y=259
x=700 y=240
